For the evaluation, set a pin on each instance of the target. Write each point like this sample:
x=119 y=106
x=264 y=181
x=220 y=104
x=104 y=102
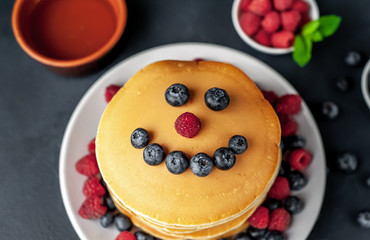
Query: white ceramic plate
x=365 y=83
x=84 y=122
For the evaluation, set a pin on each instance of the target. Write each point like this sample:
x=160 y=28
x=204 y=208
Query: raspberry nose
x=187 y=125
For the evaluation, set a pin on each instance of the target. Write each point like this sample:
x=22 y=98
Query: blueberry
x=107 y=219
x=201 y=164
x=294 y=142
x=343 y=83
x=154 y=154
x=297 y=180
x=293 y=204
x=353 y=58
x=122 y=223
x=255 y=232
x=139 y=138
x=243 y=236
x=224 y=158
x=274 y=235
x=284 y=168
x=238 y=144
x=272 y=204
x=330 y=110
x=109 y=203
x=216 y=99
x=347 y=162
x=363 y=219
x=177 y=162
x=140 y=235
x=367 y=181
x=177 y=95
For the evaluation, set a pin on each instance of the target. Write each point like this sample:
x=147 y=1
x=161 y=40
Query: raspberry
x=187 y=125
x=260 y=7
x=271 y=22
x=288 y=104
x=110 y=91
x=305 y=18
x=280 y=189
x=290 y=20
x=282 y=39
x=262 y=37
x=250 y=23
x=87 y=165
x=282 y=5
x=279 y=220
x=288 y=125
x=125 y=235
x=301 y=6
x=244 y=4
x=260 y=218
x=91 y=208
x=92 y=187
x=299 y=159
x=270 y=96
x=91 y=146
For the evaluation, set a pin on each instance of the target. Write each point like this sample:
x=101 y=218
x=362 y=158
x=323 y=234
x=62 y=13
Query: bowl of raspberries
x=270 y=26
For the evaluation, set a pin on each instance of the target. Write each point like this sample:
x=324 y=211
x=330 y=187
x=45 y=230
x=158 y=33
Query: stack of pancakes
x=185 y=206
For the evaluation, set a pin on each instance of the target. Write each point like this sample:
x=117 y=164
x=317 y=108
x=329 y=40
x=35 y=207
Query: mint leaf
x=329 y=24
x=302 y=50
x=310 y=27
x=317 y=36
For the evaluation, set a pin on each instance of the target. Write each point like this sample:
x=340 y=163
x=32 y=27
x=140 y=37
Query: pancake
x=186 y=205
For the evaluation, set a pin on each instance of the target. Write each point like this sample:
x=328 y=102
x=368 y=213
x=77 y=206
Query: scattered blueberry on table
x=330 y=110
x=353 y=59
x=363 y=219
x=343 y=84
x=347 y=162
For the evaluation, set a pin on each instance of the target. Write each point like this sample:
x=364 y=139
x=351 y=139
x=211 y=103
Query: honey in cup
x=68 y=33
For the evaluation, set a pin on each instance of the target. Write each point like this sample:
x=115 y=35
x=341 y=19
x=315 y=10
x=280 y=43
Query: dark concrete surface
x=35 y=106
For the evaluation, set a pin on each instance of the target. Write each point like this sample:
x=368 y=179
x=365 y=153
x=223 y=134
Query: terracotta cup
x=47 y=43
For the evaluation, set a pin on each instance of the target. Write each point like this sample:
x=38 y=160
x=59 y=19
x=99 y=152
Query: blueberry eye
x=216 y=99
x=177 y=95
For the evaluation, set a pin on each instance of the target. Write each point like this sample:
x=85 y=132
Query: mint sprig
x=313 y=31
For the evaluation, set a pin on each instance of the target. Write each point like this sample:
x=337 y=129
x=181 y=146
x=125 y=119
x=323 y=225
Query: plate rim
x=101 y=79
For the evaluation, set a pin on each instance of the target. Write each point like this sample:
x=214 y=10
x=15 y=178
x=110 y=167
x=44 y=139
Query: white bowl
x=313 y=12
x=365 y=83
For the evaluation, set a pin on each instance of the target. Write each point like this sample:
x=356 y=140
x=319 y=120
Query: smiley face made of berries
x=188 y=125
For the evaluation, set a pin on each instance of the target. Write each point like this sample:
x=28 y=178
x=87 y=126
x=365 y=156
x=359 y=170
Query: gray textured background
x=35 y=106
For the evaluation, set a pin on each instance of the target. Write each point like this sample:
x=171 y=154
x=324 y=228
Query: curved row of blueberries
x=177 y=162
